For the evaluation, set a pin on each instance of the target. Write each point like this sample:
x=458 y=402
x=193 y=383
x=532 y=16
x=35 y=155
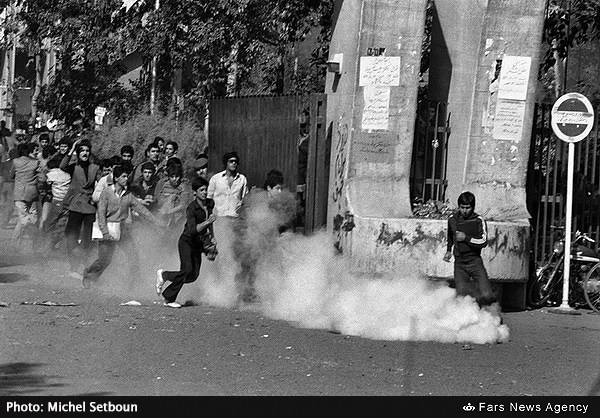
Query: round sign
x=572 y=117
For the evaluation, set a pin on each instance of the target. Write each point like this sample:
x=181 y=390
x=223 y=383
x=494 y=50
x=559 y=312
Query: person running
x=127 y=153
x=78 y=200
x=173 y=197
x=113 y=207
x=194 y=239
x=144 y=189
x=59 y=182
x=153 y=156
x=266 y=213
x=106 y=177
x=45 y=199
x=7 y=184
x=200 y=167
x=171 y=149
x=28 y=175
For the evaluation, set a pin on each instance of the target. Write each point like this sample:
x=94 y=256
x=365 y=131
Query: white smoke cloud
x=303 y=280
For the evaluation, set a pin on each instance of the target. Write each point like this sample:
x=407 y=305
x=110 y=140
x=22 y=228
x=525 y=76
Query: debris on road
x=48 y=303
x=131 y=303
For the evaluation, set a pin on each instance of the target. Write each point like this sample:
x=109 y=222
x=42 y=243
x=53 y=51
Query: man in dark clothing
x=144 y=188
x=198 y=226
x=78 y=200
x=467 y=233
x=153 y=156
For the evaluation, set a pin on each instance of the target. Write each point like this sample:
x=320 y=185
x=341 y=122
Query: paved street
x=60 y=339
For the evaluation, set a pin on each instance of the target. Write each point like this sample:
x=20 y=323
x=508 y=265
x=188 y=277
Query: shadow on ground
x=20 y=379
x=12 y=277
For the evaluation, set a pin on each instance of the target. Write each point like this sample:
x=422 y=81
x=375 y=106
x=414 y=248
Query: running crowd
x=66 y=199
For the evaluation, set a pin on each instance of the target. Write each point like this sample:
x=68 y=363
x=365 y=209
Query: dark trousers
x=79 y=226
x=106 y=250
x=55 y=224
x=464 y=271
x=190 y=258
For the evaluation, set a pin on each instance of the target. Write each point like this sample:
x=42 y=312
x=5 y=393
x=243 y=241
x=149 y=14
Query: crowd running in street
x=67 y=201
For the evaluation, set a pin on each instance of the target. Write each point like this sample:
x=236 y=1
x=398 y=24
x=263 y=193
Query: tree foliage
x=218 y=45
x=569 y=23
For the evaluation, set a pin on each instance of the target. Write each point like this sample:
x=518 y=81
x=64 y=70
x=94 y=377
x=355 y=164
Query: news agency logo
x=468 y=407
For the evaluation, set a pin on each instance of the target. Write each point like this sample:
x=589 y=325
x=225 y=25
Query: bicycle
x=584 y=278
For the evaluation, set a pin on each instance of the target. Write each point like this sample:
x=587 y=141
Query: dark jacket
x=475 y=229
x=83 y=180
x=196 y=215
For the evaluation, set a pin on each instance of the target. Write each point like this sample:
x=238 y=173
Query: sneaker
x=172 y=305
x=159 y=281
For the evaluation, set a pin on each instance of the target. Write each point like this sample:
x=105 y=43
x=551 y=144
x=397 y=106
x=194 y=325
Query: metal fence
x=430 y=152
x=547 y=179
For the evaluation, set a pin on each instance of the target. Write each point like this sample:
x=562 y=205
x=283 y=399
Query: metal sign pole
x=569 y=210
x=572 y=120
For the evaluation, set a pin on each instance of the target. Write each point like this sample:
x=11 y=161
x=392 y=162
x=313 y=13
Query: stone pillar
x=502 y=107
x=371 y=107
x=485 y=59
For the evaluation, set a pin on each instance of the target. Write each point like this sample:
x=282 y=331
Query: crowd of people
x=66 y=199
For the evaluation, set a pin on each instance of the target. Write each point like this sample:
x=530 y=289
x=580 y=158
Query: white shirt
x=101 y=185
x=228 y=200
x=60 y=181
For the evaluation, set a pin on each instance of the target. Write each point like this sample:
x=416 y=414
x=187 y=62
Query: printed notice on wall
x=508 y=122
x=375 y=147
x=379 y=71
x=514 y=77
x=376 y=111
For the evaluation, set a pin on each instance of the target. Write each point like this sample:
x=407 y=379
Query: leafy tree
x=216 y=46
x=226 y=46
x=568 y=23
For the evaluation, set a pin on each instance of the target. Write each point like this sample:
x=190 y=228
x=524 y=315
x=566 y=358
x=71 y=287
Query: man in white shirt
x=227 y=188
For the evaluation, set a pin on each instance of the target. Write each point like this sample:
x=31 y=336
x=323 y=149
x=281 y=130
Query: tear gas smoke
x=303 y=280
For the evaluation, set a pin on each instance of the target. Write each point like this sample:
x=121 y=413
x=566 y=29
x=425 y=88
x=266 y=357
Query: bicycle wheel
x=591 y=288
x=537 y=297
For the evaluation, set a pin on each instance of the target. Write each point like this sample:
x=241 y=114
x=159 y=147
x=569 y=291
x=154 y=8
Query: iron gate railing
x=430 y=152
x=547 y=179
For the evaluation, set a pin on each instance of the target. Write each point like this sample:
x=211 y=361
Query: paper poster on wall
x=376 y=110
x=374 y=147
x=508 y=122
x=379 y=71
x=514 y=77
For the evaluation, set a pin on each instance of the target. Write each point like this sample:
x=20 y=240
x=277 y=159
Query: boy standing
x=467 y=233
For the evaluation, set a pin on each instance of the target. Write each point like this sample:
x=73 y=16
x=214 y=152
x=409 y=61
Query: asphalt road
x=61 y=339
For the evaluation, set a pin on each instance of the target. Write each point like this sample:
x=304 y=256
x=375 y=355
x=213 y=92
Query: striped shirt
x=475 y=229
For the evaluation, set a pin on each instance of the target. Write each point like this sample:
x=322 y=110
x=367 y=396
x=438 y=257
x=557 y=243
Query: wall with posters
x=489 y=75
